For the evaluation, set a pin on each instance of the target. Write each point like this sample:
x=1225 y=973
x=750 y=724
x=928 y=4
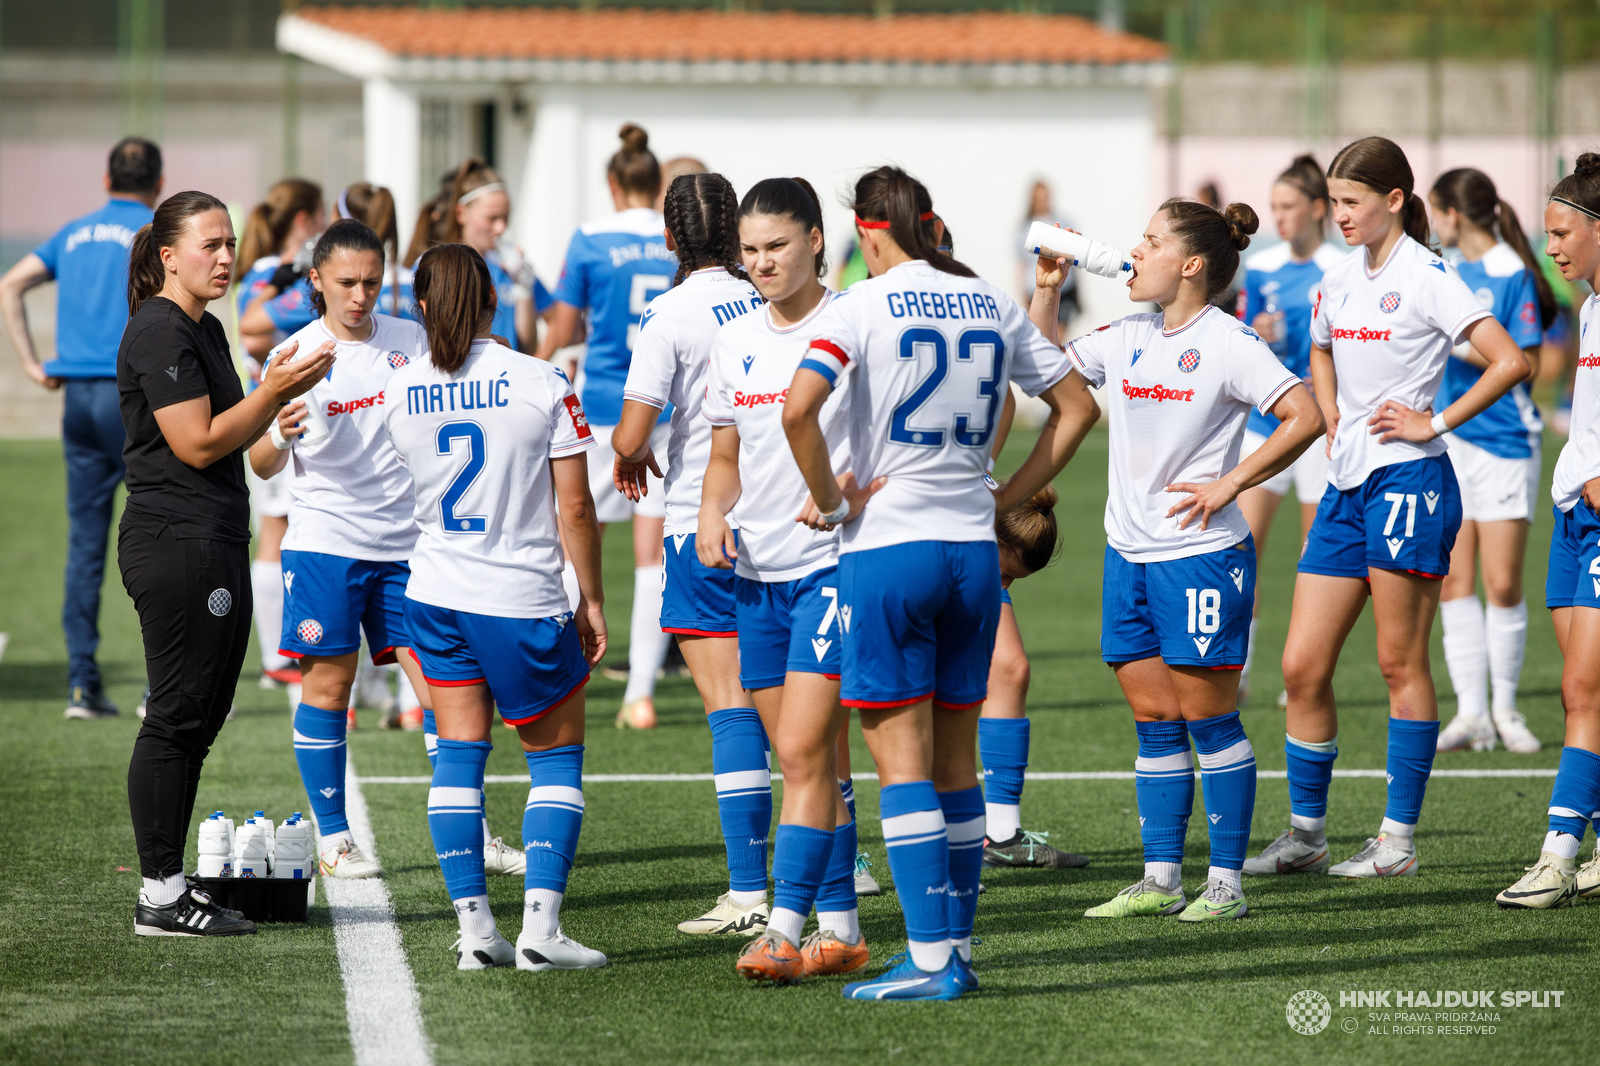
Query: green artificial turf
x=77 y=986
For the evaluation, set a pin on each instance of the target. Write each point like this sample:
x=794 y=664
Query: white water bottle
x=216 y=854
x=315 y=422
x=252 y=851
x=1093 y=256
x=292 y=849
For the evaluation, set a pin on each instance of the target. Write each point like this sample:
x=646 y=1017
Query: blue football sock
x=839 y=882
x=319 y=748
x=553 y=817
x=799 y=865
x=847 y=789
x=455 y=815
x=1228 y=781
x=919 y=861
x=430 y=736
x=1163 y=782
x=1003 y=746
x=1310 y=774
x=1575 y=797
x=1411 y=749
x=740 y=759
x=963 y=820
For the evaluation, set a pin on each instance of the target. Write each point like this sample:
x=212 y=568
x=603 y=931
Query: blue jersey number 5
x=472 y=433
x=901 y=432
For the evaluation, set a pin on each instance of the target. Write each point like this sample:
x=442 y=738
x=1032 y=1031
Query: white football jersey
x=933 y=355
x=350 y=495
x=752 y=366
x=1390 y=332
x=1579 y=461
x=669 y=366
x=479 y=444
x=1177 y=405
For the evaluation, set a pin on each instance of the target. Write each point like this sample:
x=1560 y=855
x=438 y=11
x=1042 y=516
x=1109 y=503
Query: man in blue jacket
x=88 y=259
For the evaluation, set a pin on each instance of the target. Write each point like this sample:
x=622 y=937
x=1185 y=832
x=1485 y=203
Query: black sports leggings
x=194 y=604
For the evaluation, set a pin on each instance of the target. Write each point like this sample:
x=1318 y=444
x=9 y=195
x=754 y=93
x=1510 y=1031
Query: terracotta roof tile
x=630 y=34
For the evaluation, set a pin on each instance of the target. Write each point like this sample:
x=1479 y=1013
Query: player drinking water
x=352 y=526
x=495 y=441
x=1380 y=336
x=1572 y=226
x=615 y=266
x=933 y=350
x=1179 y=584
x=1497 y=462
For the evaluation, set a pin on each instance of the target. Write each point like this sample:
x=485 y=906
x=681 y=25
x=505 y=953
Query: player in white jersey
x=1497 y=459
x=1179 y=586
x=494 y=441
x=1383 y=328
x=670 y=356
x=932 y=350
x=1572 y=592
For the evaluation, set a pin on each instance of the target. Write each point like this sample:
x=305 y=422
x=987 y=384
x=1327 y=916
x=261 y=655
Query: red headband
x=926 y=216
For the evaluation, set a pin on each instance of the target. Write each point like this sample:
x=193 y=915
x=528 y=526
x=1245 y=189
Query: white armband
x=834 y=517
x=1439 y=426
x=279 y=441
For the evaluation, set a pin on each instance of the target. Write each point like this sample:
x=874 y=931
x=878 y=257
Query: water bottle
x=216 y=853
x=1277 y=346
x=1097 y=258
x=252 y=851
x=292 y=849
x=315 y=422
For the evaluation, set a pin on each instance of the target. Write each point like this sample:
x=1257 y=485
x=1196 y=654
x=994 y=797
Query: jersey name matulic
x=469 y=395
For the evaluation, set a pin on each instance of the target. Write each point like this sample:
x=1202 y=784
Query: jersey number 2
x=900 y=430
x=472 y=434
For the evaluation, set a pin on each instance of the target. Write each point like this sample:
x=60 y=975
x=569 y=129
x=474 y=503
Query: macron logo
x=288 y=581
x=1432 y=500
x=748 y=360
x=820 y=646
x=1395 y=544
x=172 y=372
x=844 y=616
x=1215 y=818
x=1238 y=578
x=328 y=793
x=1203 y=644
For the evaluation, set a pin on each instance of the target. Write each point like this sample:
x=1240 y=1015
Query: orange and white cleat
x=824 y=953
x=770 y=958
x=411 y=720
x=640 y=714
x=350 y=717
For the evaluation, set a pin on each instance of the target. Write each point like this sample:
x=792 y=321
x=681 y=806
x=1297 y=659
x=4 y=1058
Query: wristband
x=279 y=441
x=1439 y=426
x=834 y=517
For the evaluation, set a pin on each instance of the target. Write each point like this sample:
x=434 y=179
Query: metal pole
x=1545 y=75
x=141 y=39
x=1176 y=26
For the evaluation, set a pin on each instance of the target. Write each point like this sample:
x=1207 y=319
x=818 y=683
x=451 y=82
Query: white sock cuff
x=787 y=924
x=1326 y=747
x=161 y=891
x=1507 y=616
x=1307 y=824
x=1398 y=829
x=1232 y=878
x=1166 y=874
x=1562 y=844
x=1463 y=611
x=474 y=917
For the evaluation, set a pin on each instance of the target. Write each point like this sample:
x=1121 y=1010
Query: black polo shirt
x=167 y=357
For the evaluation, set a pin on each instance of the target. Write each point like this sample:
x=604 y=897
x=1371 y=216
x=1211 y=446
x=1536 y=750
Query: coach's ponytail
x=1380 y=165
x=890 y=195
x=453 y=281
x=146 y=273
x=794 y=199
x=1030 y=529
x=702 y=214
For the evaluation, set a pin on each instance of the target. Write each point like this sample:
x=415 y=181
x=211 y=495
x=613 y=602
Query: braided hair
x=702 y=214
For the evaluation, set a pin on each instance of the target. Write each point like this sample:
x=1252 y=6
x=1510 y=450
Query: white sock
x=647 y=645
x=1466 y=654
x=846 y=925
x=962 y=946
x=1166 y=874
x=1231 y=878
x=1002 y=820
x=746 y=899
x=406 y=696
x=930 y=956
x=430 y=744
x=474 y=916
x=333 y=840
x=1562 y=844
x=160 y=891
x=541 y=913
x=266 y=586
x=1310 y=830
x=1507 y=631
x=787 y=924
x=1249 y=656
x=569 y=582
x=483 y=805
x=1399 y=833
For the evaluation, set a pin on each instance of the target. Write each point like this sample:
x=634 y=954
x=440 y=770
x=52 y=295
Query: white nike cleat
x=1283 y=699
x=728 y=917
x=1514 y=732
x=344 y=860
x=482 y=953
x=501 y=858
x=1468 y=733
x=559 y=952
x=1551 y=882
x=1378 y=858
x=1588 y=876
x=1289 y=855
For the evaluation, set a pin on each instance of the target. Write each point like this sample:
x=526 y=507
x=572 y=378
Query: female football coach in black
x=185 y=531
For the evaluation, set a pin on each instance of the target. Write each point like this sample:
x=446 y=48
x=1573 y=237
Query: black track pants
x=194 y=604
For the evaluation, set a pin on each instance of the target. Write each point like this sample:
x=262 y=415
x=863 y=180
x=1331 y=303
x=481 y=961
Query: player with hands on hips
x=1179 y=584
x=1383 y=328
x=928 y=351
x=1572 y=228
x=495 y=444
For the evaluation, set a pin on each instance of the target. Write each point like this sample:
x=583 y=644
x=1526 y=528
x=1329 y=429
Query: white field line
x=380 y=994
x=1095 y=775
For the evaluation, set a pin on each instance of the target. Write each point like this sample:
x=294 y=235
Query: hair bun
x=1242 y=222
x=1305 y=161
x=1588 y=163
x=634 y=138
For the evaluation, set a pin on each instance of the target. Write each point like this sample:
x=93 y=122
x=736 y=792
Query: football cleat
x=87 y=705
x=191 y=914
x=1283 y=699
x=1549 y=883
x=866 y=884
x=1289 y=855
x=640 y=714
x=411 y=720
x=965 y=974
x=728 y=917
x=824 y=953
x=1466 y=733
x=344 y=860
x=283 y=675
x=1218 y=902
x=1514 y=732
x=614 y=671
x=143 y=704
x=482 y=953
x=390 y=719
x=501 y=858
x=559 y=952
x=906 y=981
x=350 y=717
x=1378 y=858
x=1030 y=849
x=1140 y=899
x=771 y=959
x=1588 y=876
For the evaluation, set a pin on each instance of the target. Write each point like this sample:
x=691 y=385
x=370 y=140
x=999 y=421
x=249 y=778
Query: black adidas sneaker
x=192 y=914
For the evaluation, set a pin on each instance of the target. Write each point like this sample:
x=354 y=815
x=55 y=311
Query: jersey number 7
x=924 y=340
